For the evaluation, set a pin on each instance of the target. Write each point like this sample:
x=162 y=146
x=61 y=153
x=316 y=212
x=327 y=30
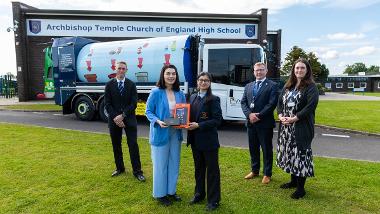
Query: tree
x=324 y=73
x=355 y=68
x=315 y=65
x=373 y=69
x=320 y=72
x=11 y=75
x=294 y=54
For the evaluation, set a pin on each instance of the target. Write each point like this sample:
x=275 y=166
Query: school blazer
x=157 y=108
x=209 y=117
x=265 y=103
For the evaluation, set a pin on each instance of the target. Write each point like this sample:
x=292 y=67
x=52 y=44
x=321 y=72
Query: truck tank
x=96 y=62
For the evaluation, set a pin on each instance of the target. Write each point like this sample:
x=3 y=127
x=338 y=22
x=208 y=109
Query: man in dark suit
x=120 y=102
x=258 y=103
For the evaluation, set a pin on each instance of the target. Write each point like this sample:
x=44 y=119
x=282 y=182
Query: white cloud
x=345 y=36
x=349 y=4
x=328 y=55
x=314 y=39
x=362 y=51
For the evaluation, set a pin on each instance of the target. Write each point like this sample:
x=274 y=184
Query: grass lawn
x=56 y=171
x=356 y=115
x=35 y=107
x=375 y=94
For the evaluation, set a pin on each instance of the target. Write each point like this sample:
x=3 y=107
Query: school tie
x=121 y=87
x=256 y=88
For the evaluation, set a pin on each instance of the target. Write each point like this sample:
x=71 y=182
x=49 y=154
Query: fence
x=8 y=86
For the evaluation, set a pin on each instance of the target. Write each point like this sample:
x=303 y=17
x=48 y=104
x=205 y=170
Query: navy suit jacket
x=126 y=103
x=265 y=103
x=209 y=117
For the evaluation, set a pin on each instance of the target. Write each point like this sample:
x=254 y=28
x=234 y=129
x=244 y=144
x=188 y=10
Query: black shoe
x=212 y=206
x=164 y=201
x=140 y=177
x=288 y=185
x=298 y=194
x=117 y=173
x=174 y=197
x=196 y=199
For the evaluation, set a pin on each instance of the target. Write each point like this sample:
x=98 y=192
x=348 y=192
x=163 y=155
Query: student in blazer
x=205 y=117
x=258 y=103
x=120 y=102
x=165 y=140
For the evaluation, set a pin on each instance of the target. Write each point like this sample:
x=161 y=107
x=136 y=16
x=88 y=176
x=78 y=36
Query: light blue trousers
x=166 y=166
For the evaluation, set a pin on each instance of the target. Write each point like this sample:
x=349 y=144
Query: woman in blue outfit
x=165 y=140
x=205 y=117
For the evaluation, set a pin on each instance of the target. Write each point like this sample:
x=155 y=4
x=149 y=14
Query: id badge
x=252 y=105
x=291 y=104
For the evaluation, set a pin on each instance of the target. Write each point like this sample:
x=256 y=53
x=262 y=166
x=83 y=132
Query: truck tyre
x=84 y=108
x=102 y=111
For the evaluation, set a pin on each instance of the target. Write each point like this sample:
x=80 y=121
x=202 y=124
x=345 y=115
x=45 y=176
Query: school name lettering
x=132 y=28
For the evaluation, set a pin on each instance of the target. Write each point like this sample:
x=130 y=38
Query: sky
x=340 y=32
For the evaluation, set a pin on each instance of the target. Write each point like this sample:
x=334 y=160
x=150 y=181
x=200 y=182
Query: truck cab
x=230 y=66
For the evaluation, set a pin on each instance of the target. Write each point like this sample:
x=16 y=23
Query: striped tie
x=256 y=88
x=121 y=87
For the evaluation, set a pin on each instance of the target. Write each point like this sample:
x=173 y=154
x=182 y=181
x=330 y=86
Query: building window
x=350 y=85
x=363 y=85
x=339 y=85
x=328 y=84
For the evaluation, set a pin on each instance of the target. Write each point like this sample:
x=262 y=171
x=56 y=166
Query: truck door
x=231 y=69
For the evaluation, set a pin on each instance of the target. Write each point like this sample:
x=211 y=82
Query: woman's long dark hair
x=306 y=81
x=161 y=82
x=208 y=92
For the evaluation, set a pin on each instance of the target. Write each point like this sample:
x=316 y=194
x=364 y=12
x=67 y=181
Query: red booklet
x=182 y=113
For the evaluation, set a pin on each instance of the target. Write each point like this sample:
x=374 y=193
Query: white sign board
x=103 y=28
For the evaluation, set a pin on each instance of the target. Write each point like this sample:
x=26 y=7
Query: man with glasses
x=120 y=102
x=258 y=103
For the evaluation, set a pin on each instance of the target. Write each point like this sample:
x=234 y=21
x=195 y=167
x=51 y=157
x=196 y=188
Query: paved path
x=348 y=96
x=328 y=143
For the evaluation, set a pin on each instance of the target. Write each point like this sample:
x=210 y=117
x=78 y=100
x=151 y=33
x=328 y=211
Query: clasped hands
x=287 y=120
x=253 y=117
x=119 y=121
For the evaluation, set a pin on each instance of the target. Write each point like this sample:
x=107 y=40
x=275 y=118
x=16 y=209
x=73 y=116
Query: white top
x=171 y=107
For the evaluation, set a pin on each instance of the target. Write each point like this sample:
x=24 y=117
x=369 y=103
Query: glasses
x=122 y=69
x=203 y=80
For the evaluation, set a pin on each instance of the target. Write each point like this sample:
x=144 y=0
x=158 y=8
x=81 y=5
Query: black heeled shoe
x=164 y=201
x=174 y=197
x=298 y=194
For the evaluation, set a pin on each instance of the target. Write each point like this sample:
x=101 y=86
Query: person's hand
x=162 y=124
x=289 y=120
x=120 y=124
x=192 y=126
x=119 y=121
x=253 y=117
x=281 y=118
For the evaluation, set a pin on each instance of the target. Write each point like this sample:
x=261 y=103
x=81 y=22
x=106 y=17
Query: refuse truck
x=81 y=67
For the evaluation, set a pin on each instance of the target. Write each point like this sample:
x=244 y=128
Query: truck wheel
x=84 y=108
x=102 y=111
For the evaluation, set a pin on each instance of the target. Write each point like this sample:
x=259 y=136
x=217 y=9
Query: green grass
x=356 y=115
x=57 y=171
x=35 y=107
